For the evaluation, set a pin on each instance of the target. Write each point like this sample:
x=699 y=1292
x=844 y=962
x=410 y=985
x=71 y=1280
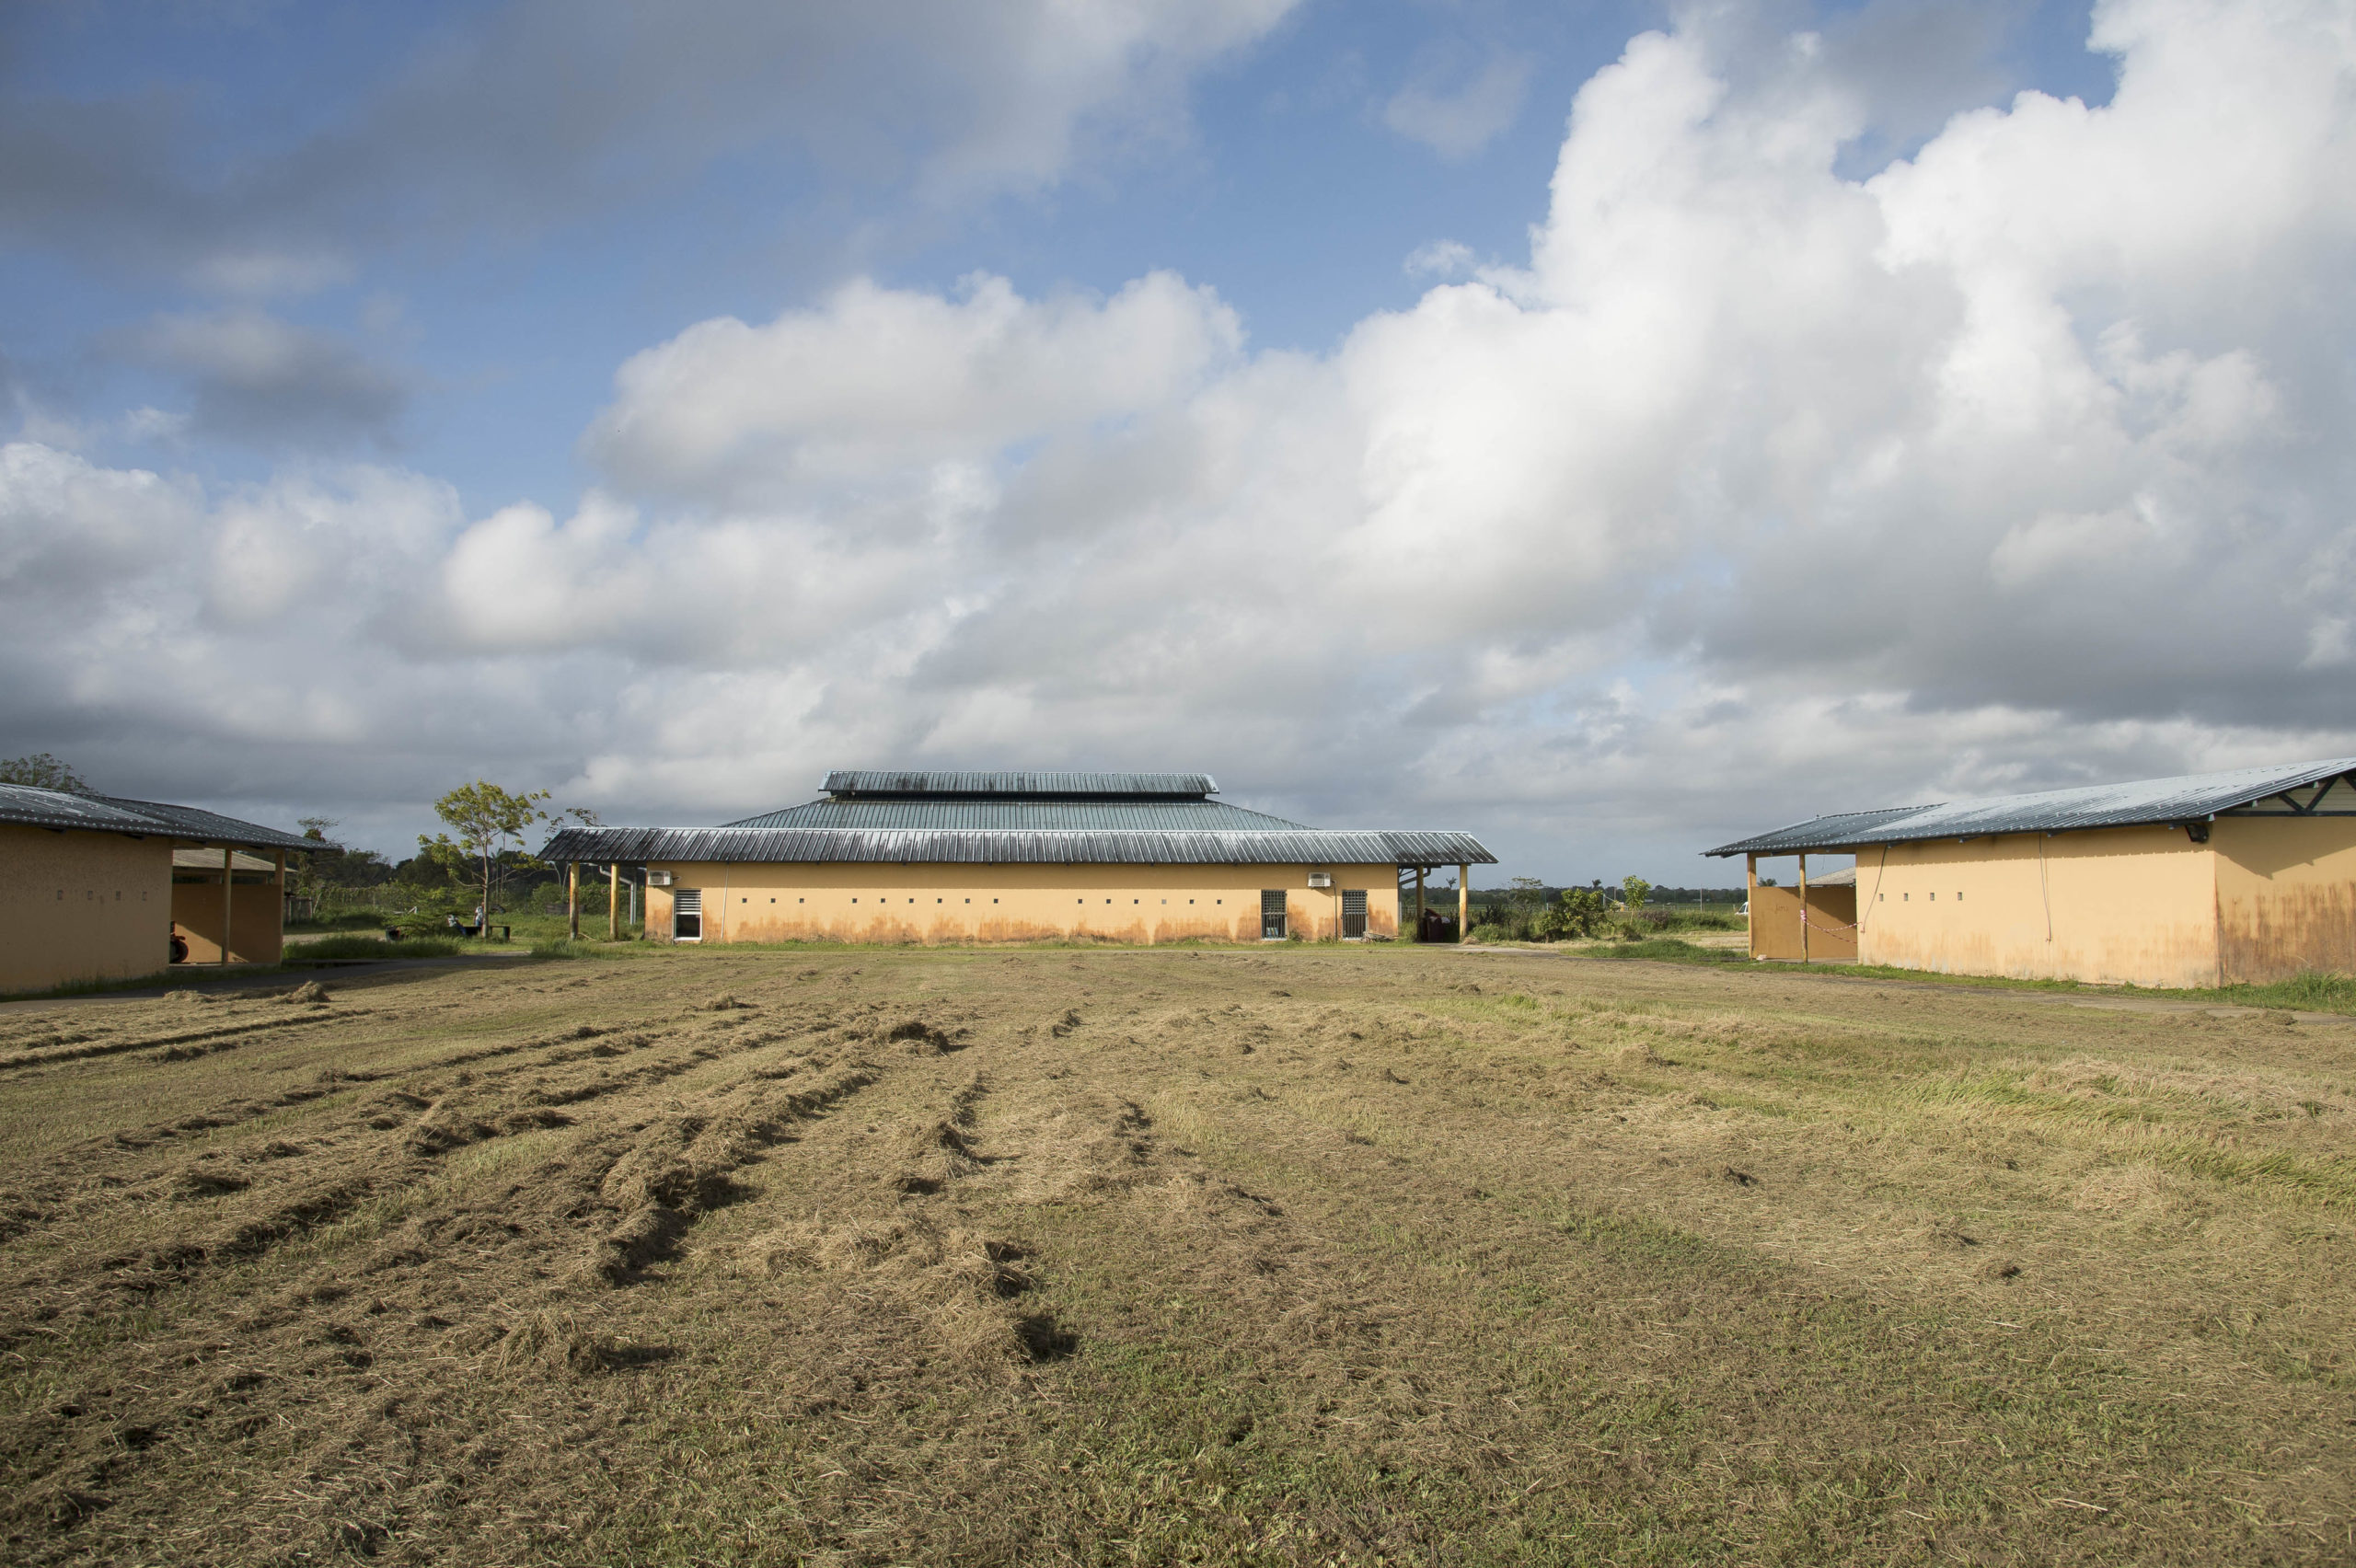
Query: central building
x=923 y=857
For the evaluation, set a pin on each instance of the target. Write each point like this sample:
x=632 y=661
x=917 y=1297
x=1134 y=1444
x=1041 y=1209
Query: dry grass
x=1300 y=1257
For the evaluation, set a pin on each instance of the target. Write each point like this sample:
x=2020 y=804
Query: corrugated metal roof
x=105 y=813
x=2192 y=797
x=1007 y=847
x=1024 y=815
x=918 y=781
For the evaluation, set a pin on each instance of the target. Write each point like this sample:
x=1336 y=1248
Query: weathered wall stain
x=2286 y=896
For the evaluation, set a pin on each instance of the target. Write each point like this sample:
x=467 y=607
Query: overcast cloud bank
x=1753 y=491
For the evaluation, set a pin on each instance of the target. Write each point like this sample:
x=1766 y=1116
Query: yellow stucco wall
x=1027 y=903
x=2136 y=905
x=81 y=907
x=1775 y=922
x=257 y=931
x=2286 y=895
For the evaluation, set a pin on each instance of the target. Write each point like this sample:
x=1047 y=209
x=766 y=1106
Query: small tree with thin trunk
x=486 y=819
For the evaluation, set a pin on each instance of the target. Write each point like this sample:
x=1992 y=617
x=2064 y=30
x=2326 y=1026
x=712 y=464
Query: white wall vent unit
x=1321 y=879
x=658 y=878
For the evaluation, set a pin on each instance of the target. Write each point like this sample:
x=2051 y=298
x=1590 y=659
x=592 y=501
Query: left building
x=97 y=888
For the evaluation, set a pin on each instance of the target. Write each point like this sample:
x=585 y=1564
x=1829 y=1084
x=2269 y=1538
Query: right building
x=2208 y=880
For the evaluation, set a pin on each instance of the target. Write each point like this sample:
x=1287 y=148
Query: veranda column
x=1463 y=903
x=1803 y=909
x=1749 y=897
x=613 y=901
x=228 y=899
x=571 y=898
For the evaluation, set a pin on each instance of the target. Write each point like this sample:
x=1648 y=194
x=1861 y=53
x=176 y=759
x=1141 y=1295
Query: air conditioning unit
x=1321 y=879
x=658 y=878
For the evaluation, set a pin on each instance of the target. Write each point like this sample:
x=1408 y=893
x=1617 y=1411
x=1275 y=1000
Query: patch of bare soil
x=1041 y=1256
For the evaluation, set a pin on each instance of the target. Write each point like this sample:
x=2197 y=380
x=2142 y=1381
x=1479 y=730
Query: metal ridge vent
x=867 y=783
x=980 y=812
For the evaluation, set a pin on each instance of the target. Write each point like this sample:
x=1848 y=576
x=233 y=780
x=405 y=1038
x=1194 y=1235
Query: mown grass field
x=1302 y=1256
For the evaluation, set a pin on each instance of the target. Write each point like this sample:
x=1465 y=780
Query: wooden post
x=1419 y=904
x=228 y=898
x=571 y=898
x=613 y=901
x=1750 y=897
x=1803 y=909
x=1463 y=903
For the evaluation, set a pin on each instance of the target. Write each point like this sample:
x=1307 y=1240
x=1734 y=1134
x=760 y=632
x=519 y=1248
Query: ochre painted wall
x=1023 y=903
x=2135 y=905
x=1775 y=922
x=2286 y=895
x=257 y=934
x=81 y=907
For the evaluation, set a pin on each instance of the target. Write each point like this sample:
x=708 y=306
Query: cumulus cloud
x=876 y=382
x=1759 y=489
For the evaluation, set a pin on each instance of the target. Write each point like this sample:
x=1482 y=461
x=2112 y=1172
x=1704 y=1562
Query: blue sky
x=536 y=391
x=1280 y=184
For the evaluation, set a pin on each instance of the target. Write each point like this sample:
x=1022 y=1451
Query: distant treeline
x=1484 y=897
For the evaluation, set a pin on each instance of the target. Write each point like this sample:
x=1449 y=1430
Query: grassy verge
x=357 y=947
x=2310 y=992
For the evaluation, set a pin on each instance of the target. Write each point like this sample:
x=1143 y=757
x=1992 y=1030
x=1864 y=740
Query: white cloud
x=1439 y=259
x=1759 y=491
x=879 y=382
x=1457 y=121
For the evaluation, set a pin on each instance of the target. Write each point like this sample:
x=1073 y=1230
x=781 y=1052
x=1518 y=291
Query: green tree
x=1577 y=911
x=41 y=771
x=330 y=863
x=1633 y=891
x=486 y=819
